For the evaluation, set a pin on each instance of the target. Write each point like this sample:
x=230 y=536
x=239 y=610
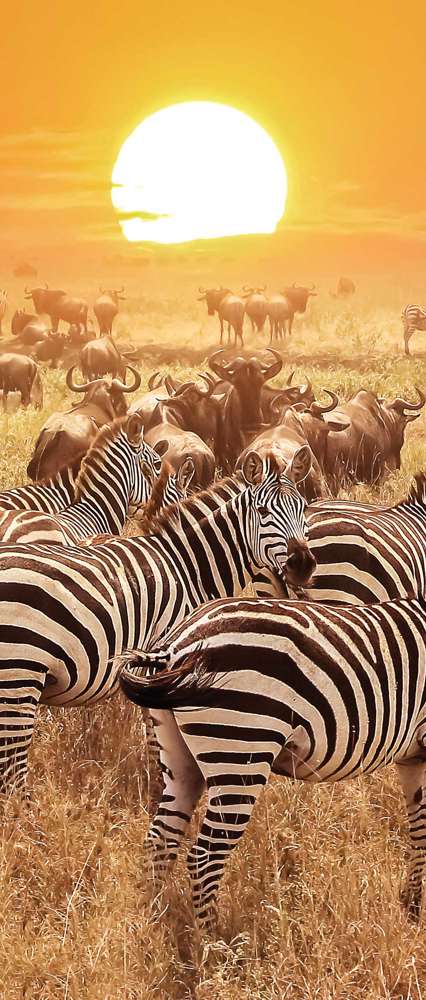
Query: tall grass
x=309 y=906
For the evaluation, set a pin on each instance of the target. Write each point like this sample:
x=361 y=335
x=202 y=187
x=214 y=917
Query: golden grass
x=309 y=906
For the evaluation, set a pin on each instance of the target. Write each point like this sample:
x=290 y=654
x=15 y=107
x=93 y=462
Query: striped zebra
x=117 y=471
x=305 y=690
x=413 y=318
x=50 y=495
x=66 y=612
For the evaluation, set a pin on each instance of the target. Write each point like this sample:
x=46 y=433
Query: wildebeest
x=176 y=445
x=101 y=357
x=28 y=329
x=256 y=306
x=147 y=402
x=295 y=430
x=58 y=305
x=345 y=287
x=371 y=446
x=18 y=373
x=193 y=408
x=413 y=318
x=67 y=435
x=3 y=306
x=241 y=404
x=51 y=347
x=282 y=308
x=106 y=308
x=230 y=309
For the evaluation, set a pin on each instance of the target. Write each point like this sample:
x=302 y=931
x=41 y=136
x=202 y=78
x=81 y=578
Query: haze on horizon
x=338 y=89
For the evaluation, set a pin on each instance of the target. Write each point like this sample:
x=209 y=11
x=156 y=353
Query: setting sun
x=198 y=170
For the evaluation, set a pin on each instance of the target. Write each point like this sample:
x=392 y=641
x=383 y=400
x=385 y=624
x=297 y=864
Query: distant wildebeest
x=106 y=308
x=177 y=445
x=256 y=306
x=51 y=347
x=283 y=306
x=3 y=306
x=58 y=305
x=25 y=270
x=19 y=373
x=345 y=287
x=230 y=309
x=67 y=435
x=28 y=328
x=371 y=446
x=413 y=318
x=101 y=357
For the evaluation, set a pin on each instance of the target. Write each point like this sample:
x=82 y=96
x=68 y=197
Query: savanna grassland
x=309 y=907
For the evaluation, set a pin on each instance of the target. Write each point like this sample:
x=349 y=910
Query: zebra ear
x=300 y=464
x=252 y=469
x=134 y=428
x=185 y=473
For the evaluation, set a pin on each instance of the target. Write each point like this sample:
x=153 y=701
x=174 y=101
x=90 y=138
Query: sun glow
x=198 y=170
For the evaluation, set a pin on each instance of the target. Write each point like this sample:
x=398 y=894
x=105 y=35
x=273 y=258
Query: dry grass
x=309 y=906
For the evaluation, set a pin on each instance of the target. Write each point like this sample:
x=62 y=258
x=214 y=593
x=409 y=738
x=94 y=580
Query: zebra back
x=51 y=495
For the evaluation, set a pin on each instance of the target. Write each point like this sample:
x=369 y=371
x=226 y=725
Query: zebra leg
x=16 y=730
x=183 y=785
x=231 y=798
x=412 y=775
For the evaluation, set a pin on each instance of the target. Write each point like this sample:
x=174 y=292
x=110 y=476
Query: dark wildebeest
x=147 y=402
x=51 y=347
x=296 y=429
x=101 y=357
x=3 y=306
x=18 y=373
x=345 y=287
x=176 y=445
x=230 y=309
x=241 y=403
x=371 y=446
x=194 y=409
x=282 y=308
x=256 y=306
x=58 y=305
x=67 y=435
x=106 y=307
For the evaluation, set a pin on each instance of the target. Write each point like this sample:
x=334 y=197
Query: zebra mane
x=169 y=516
x=105 y=435
x=153 y=507
x=417 y=491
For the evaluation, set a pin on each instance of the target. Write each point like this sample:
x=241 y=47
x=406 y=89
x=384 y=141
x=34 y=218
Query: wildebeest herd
x=230 y=480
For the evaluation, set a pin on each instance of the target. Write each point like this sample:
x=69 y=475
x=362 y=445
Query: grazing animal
x=413 y=318
x=256 y=307
x=282 y=308
x=371 y=446
x=19 y=373
x=176 y=446
x=58 y=305
x=67 y=435
x=230 y=309
x=194 y=409
x=118 y=471
x=106 y=308
x=101 y=357
x=51 y=348
x=69 y=610
x=345 y=287
x=3 y=307
x=307 y=691
x=147 y=402
x=241 y=406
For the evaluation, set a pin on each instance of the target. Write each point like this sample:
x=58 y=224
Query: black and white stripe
x=310 y=691
x=51 y=495
x=413 y=318
x=65 y=612
x=118 y=470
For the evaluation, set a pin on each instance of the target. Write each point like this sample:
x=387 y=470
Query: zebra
x=118 y=470
x=413 y=318
x=309 y=691
x=50 y=495
x=65 y=612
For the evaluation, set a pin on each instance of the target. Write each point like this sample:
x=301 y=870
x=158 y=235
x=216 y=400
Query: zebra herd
x=312 y=679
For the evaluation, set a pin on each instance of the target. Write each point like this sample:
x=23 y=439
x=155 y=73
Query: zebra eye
x=264 y=511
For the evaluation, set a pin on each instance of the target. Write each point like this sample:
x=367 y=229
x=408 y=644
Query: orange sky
x=339 y=87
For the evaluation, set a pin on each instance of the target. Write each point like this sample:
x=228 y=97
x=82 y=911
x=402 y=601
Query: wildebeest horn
x=118 y=384
x=308 y=388
x=223 y=370
x=402 y=404
x=290 y=377
x=181 y=388
x=152 y=384
x=272 y=370
x=79 y=387
x=316 y=409
x=209 y=382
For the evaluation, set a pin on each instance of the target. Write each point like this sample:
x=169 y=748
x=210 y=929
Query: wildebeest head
x=247 y=376
x=213 y=297
x=116 y=294
x=43 y=298
x=397 y=414
x=298 y=296
x=108 y=396
x=19 y=320
x=248 y=290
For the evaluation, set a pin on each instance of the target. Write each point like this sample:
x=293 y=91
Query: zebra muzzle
x=301 y=563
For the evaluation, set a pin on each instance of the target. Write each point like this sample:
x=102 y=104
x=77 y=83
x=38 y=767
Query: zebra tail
x=148 y=679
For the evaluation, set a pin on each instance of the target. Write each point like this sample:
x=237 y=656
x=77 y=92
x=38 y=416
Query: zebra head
x=276 y=525
x=145 y=464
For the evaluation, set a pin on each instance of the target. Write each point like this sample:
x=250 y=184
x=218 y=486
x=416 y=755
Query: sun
x=198 y=170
